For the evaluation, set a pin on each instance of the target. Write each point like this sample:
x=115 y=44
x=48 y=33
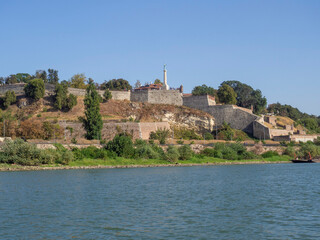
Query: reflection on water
x=272 y=201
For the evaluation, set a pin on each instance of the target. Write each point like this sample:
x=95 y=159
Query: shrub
x=35 y=89
x=186 y=134
x=185 y=152
x=289 y=151
x=229 y=153
x=180 y=141
x=161 y=135
x=122 y=145
x=208 y=136
x=146 y=151
x=9 y=98
x=172 y=154
x=107 y=95
x=270 y=154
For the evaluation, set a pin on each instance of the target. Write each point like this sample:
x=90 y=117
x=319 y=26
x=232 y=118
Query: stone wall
x=198 y=102
x=17 y=88
x=260 y=131
x=237 y=117
x=109 y=130
x=173 y=97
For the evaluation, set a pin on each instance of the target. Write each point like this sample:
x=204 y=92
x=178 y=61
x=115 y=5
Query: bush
x=107 y=95
x=146 y=152
x=307 y=148
x=289 y=151
x=186 y=134
x=161 y=135
x=122 y=145
x=208 y=136
x=23 y=153
x=172 y=154
x=229 y=153
x=185 y=152
x=270 y=154
x=35 y=89
x=9 y=98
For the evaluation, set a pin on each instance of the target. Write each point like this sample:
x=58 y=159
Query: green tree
x=203 y=90
x=9 y=98
x=23 y=77
x=157 y=81
x=78 y=81
x=227 y=95
x=107 y=95
x=247 y=96
x=35 y=89
x=62 y=100
x=122 y=145
x=92 y=121
x=12 y=79
x=116 y=84
x=42 y=74
x=53 y=76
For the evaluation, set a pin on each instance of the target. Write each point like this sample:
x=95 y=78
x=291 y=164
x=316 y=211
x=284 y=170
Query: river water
x=268 y=201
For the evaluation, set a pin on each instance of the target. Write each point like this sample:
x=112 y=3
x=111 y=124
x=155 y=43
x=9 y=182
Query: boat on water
x=310 y=160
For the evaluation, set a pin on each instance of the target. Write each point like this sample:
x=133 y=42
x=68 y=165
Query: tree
x=35 y=89
x=92 y=121
x=107 y=95
x=12 y=79
x=61 y=99
x=122 y=145
x=157 y=81
x=53 y=76
x=42 y=74
x=227 y=95
x=247 y=96
x=78 y=81
x=9 y=98
x=23 y=77
x=203 y=90
x=137 y=84
x=116 y=84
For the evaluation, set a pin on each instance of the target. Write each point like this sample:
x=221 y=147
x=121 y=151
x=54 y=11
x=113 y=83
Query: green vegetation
x=62 y=100
x=186 y=134
x=116 y=84
x=78 y=81
x=35 y=89
x=228 y=134
x=161 y=135
x=107 y=95
x=227 y=95
x=92 y=121
x=8 y=99
x=203 y=90
x=246 y=96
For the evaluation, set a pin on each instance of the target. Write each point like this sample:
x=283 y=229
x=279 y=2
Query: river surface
x=267 y=201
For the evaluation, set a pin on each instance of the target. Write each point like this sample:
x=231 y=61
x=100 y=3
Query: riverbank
x=141 y=163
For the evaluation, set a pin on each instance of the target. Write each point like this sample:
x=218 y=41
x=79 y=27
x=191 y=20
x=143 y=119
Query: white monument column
x=165 y=84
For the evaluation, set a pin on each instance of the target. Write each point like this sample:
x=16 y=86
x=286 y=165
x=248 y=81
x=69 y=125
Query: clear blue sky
x=270 y=45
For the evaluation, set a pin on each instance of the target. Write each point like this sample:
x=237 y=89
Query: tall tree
x=137 y=84
x=247 y=96
x=92 y=121
x=42 y=74
x=78 y=81
x=227 y=95
x=62 y=100
x=157 y=81
x=12 y=79
x=53 y=76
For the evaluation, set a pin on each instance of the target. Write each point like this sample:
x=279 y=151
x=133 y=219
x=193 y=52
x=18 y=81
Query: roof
x=150 y=86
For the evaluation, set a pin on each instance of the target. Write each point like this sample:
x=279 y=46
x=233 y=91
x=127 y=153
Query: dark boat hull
x=302 y=161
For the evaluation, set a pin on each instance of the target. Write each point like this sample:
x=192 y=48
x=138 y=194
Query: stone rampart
x=173 y=97
x=237 y=117
x=260 y=131
x=198 y=102
x=109 y=130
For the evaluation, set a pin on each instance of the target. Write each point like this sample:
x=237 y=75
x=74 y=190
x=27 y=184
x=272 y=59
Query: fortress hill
x=238 y=117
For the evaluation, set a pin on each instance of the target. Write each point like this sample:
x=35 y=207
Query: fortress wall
x=260 y=131
x=109 y=130
x=236 y=117
x=17 y=88
x=139 y=96
x=120 y=95
x=280 y=132
x=197 y=102
x=147 y=128
x=173 y=97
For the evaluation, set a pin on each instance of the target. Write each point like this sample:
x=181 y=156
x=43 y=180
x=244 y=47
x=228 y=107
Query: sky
x=271 y=45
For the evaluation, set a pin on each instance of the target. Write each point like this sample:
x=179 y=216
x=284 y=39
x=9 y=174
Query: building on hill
x=149 y=87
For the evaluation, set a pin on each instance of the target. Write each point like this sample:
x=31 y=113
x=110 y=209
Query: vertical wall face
x=172 y=97
x=197 y=102
x=236 y=117
x=260 y=131
x=139 y=96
